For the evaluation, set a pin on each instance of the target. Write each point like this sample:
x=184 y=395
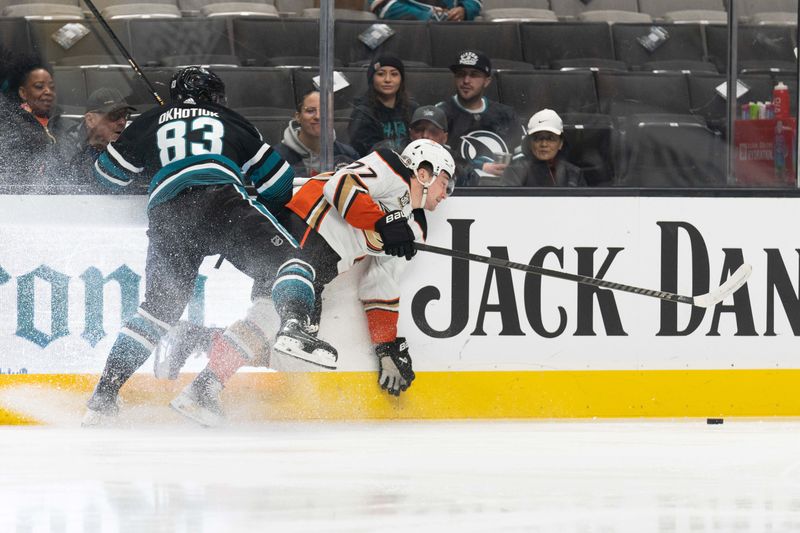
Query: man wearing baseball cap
x=483 y=133
x=429 y=122
x=106 y=116
x=542 y=162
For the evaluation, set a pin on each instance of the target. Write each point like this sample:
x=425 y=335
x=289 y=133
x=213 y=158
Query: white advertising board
x=69 y=267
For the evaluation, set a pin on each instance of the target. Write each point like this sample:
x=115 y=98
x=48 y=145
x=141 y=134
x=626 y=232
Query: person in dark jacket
x=542 y=162
x=34 y=130
x=300 y=146
x=483 y=133
x=380 y=118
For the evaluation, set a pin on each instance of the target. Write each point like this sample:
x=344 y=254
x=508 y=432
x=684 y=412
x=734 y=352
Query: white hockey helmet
x=433 y=153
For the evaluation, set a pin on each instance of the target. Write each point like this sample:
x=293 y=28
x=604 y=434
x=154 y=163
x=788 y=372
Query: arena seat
x=707 y=103
x=697 y=16
x=671 y=151
x=239 y=9
x=276 y=42
x=14 y=34
x=684 y=42
x=95 y=48
x=342 y=99
x=679 y=65
x=141 y=10
x=272 y=128
x=760 y=48
x=630 y=93
x=43 y=11
x=590 y=141
x=340 y=14
x=519 y=14
x=410 y=42
x=692 y=10
x=128 y=83
x=259 y=91
x=564 y=92
x=293 y=8
x=71 y=93
x=499 y=41
x=543 y=44
x=612 y=16
x=767 y=11
x=154 y=39
x=570 y=9
x=209 y=60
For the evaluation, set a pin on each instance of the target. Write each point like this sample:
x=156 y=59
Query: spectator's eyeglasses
x=545 y=137
x=114 y=116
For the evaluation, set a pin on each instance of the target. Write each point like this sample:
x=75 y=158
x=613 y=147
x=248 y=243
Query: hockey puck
x=714 y=420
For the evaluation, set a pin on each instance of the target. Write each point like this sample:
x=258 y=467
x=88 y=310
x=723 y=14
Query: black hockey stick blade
x=710 y=299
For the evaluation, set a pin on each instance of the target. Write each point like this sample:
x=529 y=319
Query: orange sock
x=224 y=359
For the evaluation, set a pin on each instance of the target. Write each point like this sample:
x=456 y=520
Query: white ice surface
x=743 y=476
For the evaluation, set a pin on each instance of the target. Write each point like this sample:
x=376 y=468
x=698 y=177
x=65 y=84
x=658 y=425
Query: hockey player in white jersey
x=372 y=210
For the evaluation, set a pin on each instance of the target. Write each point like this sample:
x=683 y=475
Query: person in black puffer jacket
x=542 y=162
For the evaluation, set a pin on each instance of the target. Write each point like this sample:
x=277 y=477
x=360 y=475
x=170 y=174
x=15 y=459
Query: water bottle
x=779 y=153
x=780 y=99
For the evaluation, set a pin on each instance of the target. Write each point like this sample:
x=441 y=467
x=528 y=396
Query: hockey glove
x=396 y=373
x=396 y=234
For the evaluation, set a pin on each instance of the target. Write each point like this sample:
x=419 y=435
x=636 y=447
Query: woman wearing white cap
x=542 y=163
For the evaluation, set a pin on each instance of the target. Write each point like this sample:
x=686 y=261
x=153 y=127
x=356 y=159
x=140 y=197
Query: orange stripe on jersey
x=303 y=202
x=382 y=325
x=362 y=212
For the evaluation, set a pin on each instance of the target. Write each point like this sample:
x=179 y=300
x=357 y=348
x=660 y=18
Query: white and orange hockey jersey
x=343 y=207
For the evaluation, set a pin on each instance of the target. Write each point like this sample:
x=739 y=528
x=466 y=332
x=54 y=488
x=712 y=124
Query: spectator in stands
x=301 y=139
x=380 y=118
x=34 y=128
x=429 y=122
x=542 y=162
x=106 y=115
x=449 y=10
x=483 y=133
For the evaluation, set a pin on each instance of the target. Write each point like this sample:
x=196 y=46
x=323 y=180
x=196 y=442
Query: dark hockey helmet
x=197 y=83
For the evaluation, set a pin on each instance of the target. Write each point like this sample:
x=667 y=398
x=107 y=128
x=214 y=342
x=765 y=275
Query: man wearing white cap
x=542 y=162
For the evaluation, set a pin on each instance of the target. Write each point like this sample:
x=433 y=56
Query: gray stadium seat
x=340 y=14
x=612 y=16
x=767 y=11
x=259 y=91
x=95 y=48
x=239 y=9
x=545 y=43
x=410 y=42
x=631 y=93
x=698 y=16
x=685 y=42
x=71 y=92
x=155 y=40
x=208 y=60
x=293 y=8
x=760 y=48
x=519 y=14
x=707 y=103
x=679 y=65
x=671 y=151
x=43 y=11
x=571 y=9
x=430 y=86
x=694 y=10
x=590 y=142
x=141 y=10
x=499 y=41
x=14 y=34
x=565 y=92
x=128 y=83
x=276 y=42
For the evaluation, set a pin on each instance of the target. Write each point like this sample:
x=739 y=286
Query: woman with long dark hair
x=380 y=117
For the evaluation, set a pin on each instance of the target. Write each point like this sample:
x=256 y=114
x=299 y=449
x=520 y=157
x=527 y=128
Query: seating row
x=295 y=42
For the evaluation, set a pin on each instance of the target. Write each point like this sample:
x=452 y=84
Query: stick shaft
x=531 y=269
x=123 y=50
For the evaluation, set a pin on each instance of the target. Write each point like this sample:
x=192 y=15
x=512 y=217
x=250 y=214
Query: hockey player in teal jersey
x=198 y=156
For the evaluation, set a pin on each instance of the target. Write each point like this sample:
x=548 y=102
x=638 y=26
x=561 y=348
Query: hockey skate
x=296 y=338
x=102 y=410
x=177 y=346
x=200 y=401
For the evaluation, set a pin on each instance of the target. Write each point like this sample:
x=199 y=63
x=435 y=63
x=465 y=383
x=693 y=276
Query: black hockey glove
x=396 y=373
x=396 y=234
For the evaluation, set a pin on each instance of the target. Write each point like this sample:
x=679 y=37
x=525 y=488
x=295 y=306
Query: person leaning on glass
x=542 y=162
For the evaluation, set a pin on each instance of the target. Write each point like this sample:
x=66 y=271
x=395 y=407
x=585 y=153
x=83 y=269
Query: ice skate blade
x=294 y=348
x=186 y=406
x=93 y=419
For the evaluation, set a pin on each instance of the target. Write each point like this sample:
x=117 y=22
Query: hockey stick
x=121 y=47
x=710 y=299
